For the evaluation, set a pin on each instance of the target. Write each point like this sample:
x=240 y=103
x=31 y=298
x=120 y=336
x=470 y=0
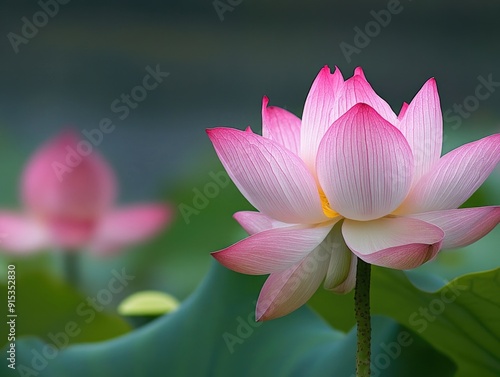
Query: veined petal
x=341 y=263
x=364 y=164
x=255 y=222
x=128 y=225
x=286 y=291
x=281 y=126
x=454 y=178
x=272 y=178
x=462 y=226
x=21 y=234
x=422 y=126
x=317 y=114
x=358 y=71
x=357 y=90
x=402 y=112
x=397 y=242
x=60 y=181
x=271 y=250
x=349 y=283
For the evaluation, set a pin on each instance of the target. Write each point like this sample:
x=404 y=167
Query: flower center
x=326 y=205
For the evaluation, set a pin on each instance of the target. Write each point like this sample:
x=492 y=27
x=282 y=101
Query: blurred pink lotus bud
x=69 y=194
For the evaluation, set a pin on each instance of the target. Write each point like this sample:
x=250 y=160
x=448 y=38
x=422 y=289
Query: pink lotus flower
x=351 y=180
x=68 y=202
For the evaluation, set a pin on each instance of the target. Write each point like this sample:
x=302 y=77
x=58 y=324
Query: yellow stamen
x=326 y=205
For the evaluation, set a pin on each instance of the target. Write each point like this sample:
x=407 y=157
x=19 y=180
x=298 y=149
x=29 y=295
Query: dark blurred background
x=91 y=52
x=222 y=57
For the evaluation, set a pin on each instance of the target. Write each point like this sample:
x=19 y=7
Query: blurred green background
x=91 y=52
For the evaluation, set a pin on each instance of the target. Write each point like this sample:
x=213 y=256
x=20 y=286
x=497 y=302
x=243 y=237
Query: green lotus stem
x=70 y=266
x=362 y=314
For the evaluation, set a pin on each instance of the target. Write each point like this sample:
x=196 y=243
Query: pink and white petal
x=422 y=126
x=341 y=262
x=272 y=250
x=70 y=232
x=357 y=90
x=255 y=222
x=349 y=283
x=21 y=234
x=281 y=126
x=272 y=178
x=462 y=226
x=283 y=292
x=365 y=165
x=398 y=242
x=402 y=112
x=129 y=225
x=358 y=71
x=60 y=181
x=317 y=114
x=454 y=178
